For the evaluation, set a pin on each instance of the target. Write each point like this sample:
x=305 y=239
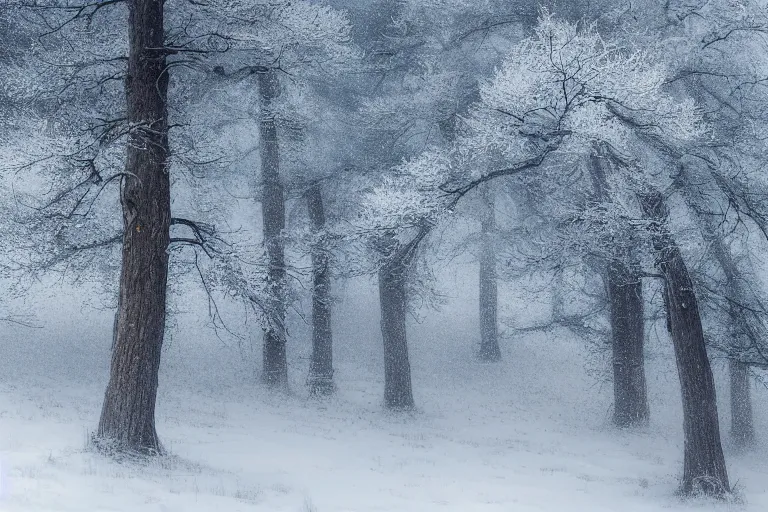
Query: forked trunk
x=127 y=422
x=704 y=468
x=489 y=331
x=397 y=367
x=275 y=364
x=321 y=366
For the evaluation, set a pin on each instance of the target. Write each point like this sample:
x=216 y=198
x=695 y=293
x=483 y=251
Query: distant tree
x=295 y=37
x=489 y=325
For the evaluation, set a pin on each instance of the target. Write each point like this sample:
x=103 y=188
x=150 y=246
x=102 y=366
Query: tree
x=128 y=415
x=312 y=39
x=704 y=468
x=424 y=78
x=722 y=67
x=732 y=297
x=273 y=214
x=622 y=277
x=321 y=365
x=489 y=329
x=560 y=92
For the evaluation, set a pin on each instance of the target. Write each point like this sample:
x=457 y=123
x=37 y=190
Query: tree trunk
x=489 y=330
x=127 y=421
x=114 y=328
x=397 y=368
x=742 y=428
x=321 y=367
x=625 y=295
x=273 y=216
x=704 y=468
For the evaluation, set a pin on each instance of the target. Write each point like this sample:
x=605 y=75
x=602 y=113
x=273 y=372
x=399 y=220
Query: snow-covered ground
x=529 y=434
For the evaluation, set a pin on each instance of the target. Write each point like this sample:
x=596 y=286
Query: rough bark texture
x=114 y=329
x=625 y=295
x=742 y=427
x=273 y=214
x=489 y=331
x=393 y=277
x=625 y=292
x=127 y=421
x=321 y=366
x=397 y=367
x=704 y=468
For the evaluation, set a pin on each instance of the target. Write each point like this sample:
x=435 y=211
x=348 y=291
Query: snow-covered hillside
x=529 y=434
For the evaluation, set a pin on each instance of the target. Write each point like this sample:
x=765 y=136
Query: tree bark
x=742 y=427
x=321 y=366
x=625 y=295
x=114 y=328
x=704 y=469
x=489 y=330
x=393 y=296
x=398 y=394
x=275 y=364
x=127 y=422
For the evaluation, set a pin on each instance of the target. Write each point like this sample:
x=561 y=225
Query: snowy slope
x=529 y=434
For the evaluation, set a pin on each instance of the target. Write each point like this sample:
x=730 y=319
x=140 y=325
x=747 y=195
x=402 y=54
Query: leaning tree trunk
x=127 y=421
x=742 y=426
x=397 y=367
x=489 y=330
x=625 y=296
x=704 y=468
x=273 y=216
x=321 y=366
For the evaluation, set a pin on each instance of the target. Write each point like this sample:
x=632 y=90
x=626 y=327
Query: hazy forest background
x=383 y=255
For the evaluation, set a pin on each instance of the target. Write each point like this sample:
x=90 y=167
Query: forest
x=391 y=255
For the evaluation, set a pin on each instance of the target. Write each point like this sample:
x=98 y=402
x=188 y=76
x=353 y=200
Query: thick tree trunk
x=393 y=296
x=742 y=427
x=127 y=421
x=321 y=367
x=489 y=330
x=704 y=468
x=273 y=216
x=625 y=295
x=397 y=367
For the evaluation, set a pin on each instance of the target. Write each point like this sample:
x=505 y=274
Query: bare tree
x=127 y=420
x=704 y=463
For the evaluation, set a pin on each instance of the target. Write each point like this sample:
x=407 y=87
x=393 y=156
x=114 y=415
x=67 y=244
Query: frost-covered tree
x=285 y=46
x=725 y=68
x=561 y=92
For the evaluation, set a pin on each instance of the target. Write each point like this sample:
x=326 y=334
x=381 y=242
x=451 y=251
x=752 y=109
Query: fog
x=383 y=255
